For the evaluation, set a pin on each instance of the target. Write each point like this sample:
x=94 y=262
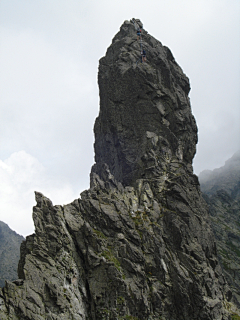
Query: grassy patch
x=99 y=234
x=107 y=254
x=120 y=300
x=129 y=318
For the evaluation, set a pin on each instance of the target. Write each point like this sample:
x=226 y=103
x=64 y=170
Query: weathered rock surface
x=221 y=188
x=138 y=243
x=10 y=243
x=145 y=110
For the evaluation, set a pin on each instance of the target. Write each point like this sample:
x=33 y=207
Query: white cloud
x=35 y=73
x=20 y=175
x=48 y=101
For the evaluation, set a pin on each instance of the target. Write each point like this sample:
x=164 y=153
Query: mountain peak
x=137 y=244
x=145 y=111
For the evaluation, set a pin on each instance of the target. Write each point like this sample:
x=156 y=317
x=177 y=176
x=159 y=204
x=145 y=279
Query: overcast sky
x=49 y=94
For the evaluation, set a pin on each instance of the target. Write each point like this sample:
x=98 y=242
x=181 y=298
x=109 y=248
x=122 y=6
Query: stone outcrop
x=145 y=110
x=138 y=243
x=10 y=243
x=221 y=190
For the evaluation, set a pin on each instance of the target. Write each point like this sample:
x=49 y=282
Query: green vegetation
x=235 y=316
x=110 y=257
x=140 y=233
x=139 y=220
x=120 y=300
x=105 y=313
x=99 y=234
x=129 y=318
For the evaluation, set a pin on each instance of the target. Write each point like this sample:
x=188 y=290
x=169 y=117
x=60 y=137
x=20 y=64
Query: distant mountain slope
x=10 y=243
x=221 y=188
x=226 y=177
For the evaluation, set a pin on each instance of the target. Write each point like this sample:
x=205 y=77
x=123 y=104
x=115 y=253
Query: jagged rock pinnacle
x=145 y=111
x=138 y=244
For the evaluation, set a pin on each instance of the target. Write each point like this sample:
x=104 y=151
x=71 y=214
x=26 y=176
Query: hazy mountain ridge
x=226 y=177
x=138 y=244
x=221 y=188
x=10 y=243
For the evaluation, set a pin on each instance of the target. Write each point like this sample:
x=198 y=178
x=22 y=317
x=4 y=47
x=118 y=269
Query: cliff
x=221 y=190
x=138 y=243
x=9 y=253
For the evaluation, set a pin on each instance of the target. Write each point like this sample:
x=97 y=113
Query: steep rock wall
x=137 y=244
x=144 y=108
x=10 y=243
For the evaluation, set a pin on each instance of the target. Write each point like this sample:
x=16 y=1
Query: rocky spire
x=145 y=111
x=137 y=244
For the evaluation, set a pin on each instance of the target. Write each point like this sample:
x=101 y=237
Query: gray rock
x=10 y=243
x=226 y=178
x=148 y=120
x=221 y=188
x=138 y=243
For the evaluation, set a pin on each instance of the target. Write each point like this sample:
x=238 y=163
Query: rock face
x=221 y=188
x=138 y=243
x=10 y=243
x=144 y=109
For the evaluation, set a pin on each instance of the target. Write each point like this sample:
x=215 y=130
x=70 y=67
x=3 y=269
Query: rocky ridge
x=10 y=243
x=221 y=190
x=138 y=243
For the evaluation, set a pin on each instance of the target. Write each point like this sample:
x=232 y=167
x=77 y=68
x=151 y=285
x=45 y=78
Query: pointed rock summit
x=138 y=244
x=145 y=111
